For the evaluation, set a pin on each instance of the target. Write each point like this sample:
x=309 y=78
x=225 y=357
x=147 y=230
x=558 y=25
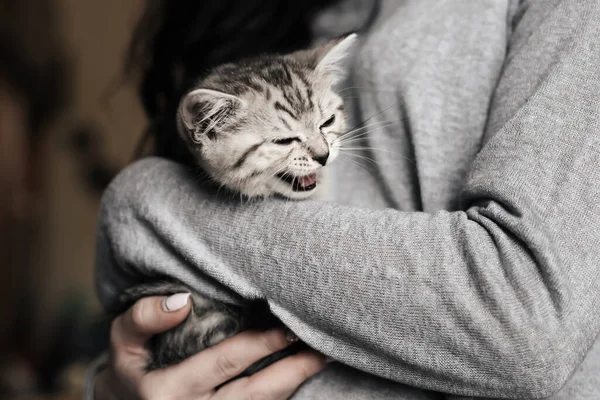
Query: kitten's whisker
x=362 y=139
x=381 y=124
x=374 y=162
x=263 y=181
x=349 y=88
x=377 y=149
x=357 y=137
x=343 y=157
x=359 y=127
x=365 y=89
x=375 y=124
x=377 y=114
x=365 y=138
x=380 y=112
x=271 y=175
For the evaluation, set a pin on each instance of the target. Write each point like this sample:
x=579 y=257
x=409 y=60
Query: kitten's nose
x=321 y=159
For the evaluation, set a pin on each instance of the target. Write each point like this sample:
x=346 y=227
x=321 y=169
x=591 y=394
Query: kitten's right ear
x=329 y=58
x=203 y=110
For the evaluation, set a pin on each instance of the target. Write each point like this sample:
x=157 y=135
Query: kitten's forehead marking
x=280 y=107
x=285 y=123
x=296 y=92
x=262 y=76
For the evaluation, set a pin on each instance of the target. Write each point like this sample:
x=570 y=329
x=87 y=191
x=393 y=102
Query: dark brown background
x=48 y=203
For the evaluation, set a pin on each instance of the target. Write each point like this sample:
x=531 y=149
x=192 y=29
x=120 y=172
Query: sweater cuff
x=99 y=364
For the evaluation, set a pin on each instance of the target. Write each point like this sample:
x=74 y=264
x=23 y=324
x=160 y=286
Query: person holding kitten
x=460 y=262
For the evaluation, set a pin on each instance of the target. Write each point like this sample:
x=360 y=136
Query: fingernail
x=291 y=337
x=175 y=302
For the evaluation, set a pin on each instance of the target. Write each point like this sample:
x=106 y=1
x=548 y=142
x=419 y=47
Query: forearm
x=402 y=295
x=103 y=388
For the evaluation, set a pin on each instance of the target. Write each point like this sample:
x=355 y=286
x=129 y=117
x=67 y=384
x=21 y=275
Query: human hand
x=199 y=376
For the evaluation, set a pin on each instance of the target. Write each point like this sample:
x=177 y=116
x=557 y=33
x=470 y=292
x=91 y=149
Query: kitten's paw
x=209 y=323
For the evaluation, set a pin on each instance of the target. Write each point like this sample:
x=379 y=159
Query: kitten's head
x=268 y=125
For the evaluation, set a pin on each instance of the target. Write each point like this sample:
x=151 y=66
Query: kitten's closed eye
x=286 y=141
x=328 y=123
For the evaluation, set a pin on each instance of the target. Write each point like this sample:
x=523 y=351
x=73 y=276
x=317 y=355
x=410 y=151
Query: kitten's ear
x=329 y=58
x=203 y=110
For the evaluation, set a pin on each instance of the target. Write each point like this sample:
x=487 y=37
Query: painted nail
x=175 y=302
x=291 y=337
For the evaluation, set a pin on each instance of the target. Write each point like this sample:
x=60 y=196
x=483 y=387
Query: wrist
x=103 y=390
x=96 y=385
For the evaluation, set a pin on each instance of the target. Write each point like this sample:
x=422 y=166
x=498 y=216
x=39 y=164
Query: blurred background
x=81 y=83
x=68 y=122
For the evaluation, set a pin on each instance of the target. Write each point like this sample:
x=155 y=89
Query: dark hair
x=177 y=42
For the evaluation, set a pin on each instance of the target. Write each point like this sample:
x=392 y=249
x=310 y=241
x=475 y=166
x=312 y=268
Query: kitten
x=261 y=127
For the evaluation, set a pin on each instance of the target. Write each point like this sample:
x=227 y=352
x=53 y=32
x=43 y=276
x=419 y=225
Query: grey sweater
x=463 y=259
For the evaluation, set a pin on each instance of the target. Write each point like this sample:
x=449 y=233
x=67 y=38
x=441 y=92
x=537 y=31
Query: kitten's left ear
x=203 y=110
x=329 y=58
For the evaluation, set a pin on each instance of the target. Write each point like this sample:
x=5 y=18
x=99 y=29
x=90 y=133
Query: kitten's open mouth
x=300 y=183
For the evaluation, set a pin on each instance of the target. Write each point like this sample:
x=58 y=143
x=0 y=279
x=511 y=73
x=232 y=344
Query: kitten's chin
x=282 y=185
x=285 y=189
x=290 y=194
x=275 y=188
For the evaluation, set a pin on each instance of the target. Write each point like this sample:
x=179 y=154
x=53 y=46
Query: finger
x=149 y=316
x=280 y=380
x=218 y=364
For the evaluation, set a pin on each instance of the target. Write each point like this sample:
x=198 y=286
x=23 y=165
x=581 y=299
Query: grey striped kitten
x=261 y=127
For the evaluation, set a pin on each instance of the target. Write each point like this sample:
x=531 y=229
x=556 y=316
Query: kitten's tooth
x=308 y=180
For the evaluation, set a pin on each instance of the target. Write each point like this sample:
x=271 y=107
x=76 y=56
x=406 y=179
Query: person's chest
x=418 y=96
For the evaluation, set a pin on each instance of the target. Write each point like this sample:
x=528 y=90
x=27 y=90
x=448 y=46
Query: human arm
x=498 y=299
